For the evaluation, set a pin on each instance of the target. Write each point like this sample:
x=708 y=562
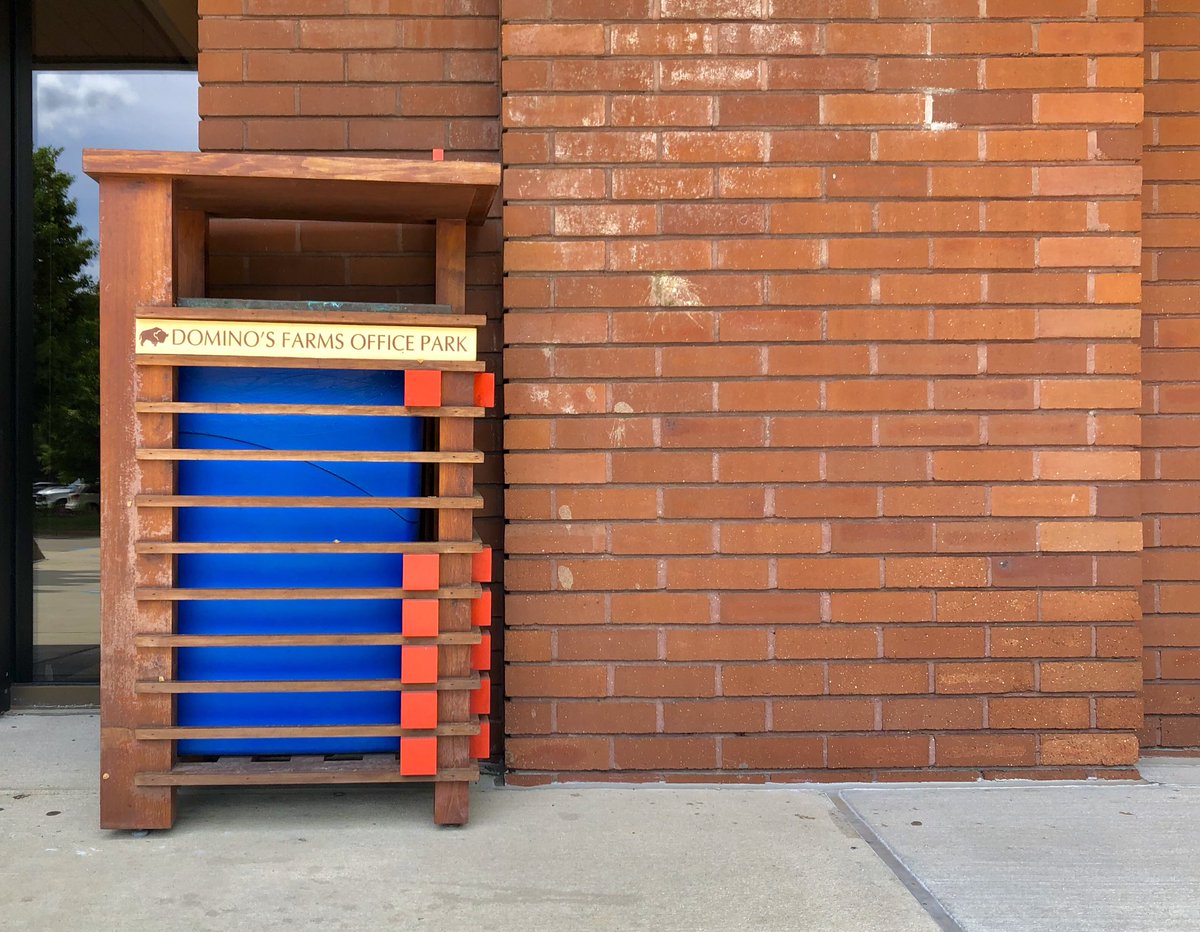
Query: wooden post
x=451 y=800
x=136 y=267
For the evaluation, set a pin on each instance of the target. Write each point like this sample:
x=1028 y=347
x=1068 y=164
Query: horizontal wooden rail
x=231 y=407
x=272 y=362
x=234 y=732
x=413 y=315
x=307 y=501
x=298 y=771
x=289 y=547
x=179 y=454
x=459 y=638
x=231 y=687
x=294 y=595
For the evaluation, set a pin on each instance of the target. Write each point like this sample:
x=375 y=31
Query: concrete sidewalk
x=995 y=857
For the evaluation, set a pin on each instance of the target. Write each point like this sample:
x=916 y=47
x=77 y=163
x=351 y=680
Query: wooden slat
x=300 y=640
x=463 y=592
x=234 y=732
x=227 y=407
x=293 y=547
x=308 y=456
x=320 y=312
x=229 y=687
x=297 y=771
x=307 y=501
x=273 y=362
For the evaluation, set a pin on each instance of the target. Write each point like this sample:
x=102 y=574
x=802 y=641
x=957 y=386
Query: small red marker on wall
x=439 y=155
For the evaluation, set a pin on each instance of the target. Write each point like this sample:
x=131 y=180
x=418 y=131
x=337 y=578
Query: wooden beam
x=288 y=547
x=451 y=799
x=177 y=454
x=136 y=267
x=218 y=407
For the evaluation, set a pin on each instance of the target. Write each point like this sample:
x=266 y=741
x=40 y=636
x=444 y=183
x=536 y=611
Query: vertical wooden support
x=136 y=267
x=191 y=253
x=451 y=803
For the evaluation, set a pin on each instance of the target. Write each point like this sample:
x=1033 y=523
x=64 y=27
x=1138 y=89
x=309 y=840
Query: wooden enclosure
x=154 y=209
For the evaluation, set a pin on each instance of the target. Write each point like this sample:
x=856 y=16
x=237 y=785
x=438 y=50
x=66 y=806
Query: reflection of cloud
x=69 y=102
x=106 y=110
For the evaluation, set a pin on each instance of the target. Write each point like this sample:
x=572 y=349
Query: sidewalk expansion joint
x=912 y=884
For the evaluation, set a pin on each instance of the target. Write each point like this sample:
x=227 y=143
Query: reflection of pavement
x=66 y=585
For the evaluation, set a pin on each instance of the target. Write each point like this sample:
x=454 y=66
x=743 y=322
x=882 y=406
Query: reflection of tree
x=66 y=330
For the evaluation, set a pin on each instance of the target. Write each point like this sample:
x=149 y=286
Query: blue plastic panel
x=293 y=386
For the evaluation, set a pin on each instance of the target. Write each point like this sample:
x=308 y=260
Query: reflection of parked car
x=40 y=486
x=55 y=497
x=85 y=498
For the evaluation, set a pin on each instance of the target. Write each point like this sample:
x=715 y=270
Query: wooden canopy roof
x=306 y=187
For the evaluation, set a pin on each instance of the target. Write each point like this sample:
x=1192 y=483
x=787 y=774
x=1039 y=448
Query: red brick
x=912 y=643
x=875 y=607
x=773 y=679
x=775 y=752
x=829 y=573
x=665 y=680
x=574 y=680
x=1091 y=749
x=1091 y=676
x=879 y=751
x=983 y=677
x=932 y=714
x=871 y=109
x=660 y=608
x=606 y=717
x=884 y=678
x=557 y=753
x=779 y=608
x=824 y=714
x=664 y=753
x=810 y=643
x=985 y=750
x=1042 y=713
x=738 y=644
x=721 y=715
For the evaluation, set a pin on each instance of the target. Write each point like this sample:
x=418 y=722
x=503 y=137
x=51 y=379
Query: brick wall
x=823 y=377
x=821 y=347
x=368 y=77
x=1171 y=361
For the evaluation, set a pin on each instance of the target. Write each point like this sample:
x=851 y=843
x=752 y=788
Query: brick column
x=1171 y=344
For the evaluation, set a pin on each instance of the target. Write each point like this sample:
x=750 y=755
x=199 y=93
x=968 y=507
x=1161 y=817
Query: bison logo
x=153 y=336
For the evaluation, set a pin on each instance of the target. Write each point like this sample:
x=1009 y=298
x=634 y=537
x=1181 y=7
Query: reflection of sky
x=75 y=110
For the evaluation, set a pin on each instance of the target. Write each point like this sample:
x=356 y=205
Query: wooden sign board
x=288 y=340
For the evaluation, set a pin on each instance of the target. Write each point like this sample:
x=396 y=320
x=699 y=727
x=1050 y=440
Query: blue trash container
x=352 y=479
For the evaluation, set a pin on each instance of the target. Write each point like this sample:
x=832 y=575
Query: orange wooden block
x=481 y=565
x=481 y=610
x=481 y=744
x=421 y=572
x=423 y=388
x=481 y=654
x=418 y=710
x=419 y=618
x=481 y=698
x=418 y=664
x=485 y=389
x=418 y=757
